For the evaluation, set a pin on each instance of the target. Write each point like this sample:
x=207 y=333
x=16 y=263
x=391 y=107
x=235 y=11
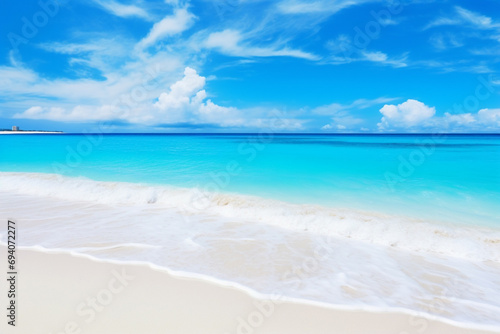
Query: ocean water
x=454 y=178
x=387 y=221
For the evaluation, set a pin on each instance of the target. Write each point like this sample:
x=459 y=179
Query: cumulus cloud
x=491 y=116
x=414 y=114
x=406 y=114
x=459 y=119
x=484 y=119
x=185 y=102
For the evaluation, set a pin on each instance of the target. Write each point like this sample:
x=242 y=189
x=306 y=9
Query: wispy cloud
x=300 y=7
x=476 y=19
x=464 y=16
x=180 y=21
x=461 y=65
x=341 y=115
x=71 y=48
x=118 y=9
x=445 y=41
x=232 y=43
x=380 y=57
x=334 y=108
x=343 y=51
x=21 y=83
x=105 y=55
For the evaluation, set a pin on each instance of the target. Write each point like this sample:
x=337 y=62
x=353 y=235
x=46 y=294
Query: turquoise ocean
x=454 y=178
x=411 y=218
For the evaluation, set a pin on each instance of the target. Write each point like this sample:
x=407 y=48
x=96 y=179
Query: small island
x=17 y=131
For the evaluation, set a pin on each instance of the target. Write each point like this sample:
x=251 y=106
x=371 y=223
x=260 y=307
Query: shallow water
x=354 y=221
x=453 y=178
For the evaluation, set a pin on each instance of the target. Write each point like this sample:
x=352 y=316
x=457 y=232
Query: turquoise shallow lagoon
x=453 y=178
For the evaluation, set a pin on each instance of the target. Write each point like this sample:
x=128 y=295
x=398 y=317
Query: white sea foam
x=468 y=242
x=339 y=257
x=416 y=318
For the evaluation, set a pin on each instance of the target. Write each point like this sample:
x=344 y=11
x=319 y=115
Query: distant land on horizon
x=10 y=131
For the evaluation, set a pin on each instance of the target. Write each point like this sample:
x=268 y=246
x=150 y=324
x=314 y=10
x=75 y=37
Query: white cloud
x=72 y=48
x=459 y=119
x=102 y=54
x=231 y=42
x=186 y=101
x=77 y=114
x=21 y=83
x=341 y=113
x=182 y=90
x=478 y=27
x=375 y=56
x=484 y=119
x=406 y=114
x=415 y=115
x=445 y=41
x=303 y=7
x=342 y=122
x=478 y=20
x=465 y=17
x=317 y=7
x=489 y=116
x=338 y=127
x=171 y=25
x=13 y=76
x=380 y=57
x=334 y=108
x=344 y=50
x=276 y=122
x=118 y=9
x=443 y=21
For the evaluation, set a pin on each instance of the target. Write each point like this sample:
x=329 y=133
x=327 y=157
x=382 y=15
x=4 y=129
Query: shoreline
x=378 y=228
x=333 y=263
x=135 y=297
x=342 y=274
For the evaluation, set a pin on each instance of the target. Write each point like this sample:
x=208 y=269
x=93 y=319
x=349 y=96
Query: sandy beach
x=63 y=293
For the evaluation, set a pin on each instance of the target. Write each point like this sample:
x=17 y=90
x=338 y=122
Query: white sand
x=56 y=291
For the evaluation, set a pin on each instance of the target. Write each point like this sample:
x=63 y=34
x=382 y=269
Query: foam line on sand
x=67 y=293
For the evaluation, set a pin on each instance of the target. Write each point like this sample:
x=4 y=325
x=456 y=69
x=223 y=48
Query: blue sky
x=241 y=65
